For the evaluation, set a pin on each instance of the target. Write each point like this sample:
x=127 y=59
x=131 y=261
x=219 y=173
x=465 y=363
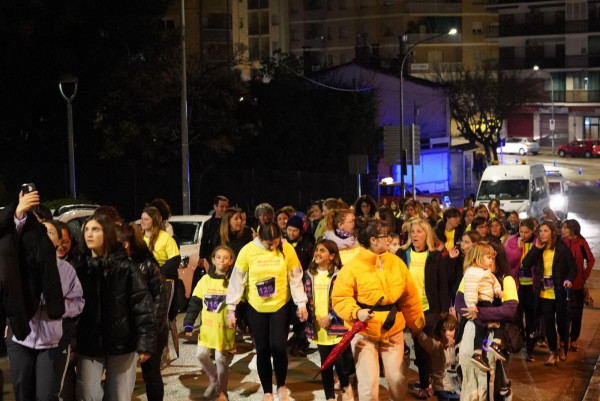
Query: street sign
x=391 y=140
x=552 y=124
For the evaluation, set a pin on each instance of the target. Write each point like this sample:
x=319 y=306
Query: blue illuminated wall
x=432 y=175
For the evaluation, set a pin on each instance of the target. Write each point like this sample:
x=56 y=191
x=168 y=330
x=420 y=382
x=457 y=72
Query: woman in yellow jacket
x=372 y=274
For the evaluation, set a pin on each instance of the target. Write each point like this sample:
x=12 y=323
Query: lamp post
x=451 y=32
x=536 y=68
x=185 y=146
x=71 y=81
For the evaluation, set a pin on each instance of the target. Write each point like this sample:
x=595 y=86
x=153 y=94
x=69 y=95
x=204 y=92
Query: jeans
x=120 y=377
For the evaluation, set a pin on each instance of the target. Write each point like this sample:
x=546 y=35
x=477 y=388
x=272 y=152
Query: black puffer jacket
x=157 y=287
x=118 y=316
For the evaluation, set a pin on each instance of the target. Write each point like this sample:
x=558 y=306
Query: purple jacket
x=45 y=332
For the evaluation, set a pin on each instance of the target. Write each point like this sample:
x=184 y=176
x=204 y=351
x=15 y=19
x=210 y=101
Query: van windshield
x=503 y=189
x=554 y=187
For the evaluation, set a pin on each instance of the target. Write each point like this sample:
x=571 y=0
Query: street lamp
x=551 y=125
x=414 y=189
x=69 y=82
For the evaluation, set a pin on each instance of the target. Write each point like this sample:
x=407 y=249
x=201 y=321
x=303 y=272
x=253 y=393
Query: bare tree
x=482 y=98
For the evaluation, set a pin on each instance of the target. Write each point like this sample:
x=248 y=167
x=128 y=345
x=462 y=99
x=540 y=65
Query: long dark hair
x=270 y=231
x=110 y=234
x=132 y=233
x=552 y=226
x=225 y=227
x=336 y=262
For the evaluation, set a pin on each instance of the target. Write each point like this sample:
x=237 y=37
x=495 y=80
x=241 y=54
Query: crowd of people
x=472 y=286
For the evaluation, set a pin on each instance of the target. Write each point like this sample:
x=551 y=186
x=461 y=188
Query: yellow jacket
x=368 y=277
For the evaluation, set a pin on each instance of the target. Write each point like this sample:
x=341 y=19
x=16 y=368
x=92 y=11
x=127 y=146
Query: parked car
x=559 y=194
x=520 y=145
x=75 y=215
x=580 y=147
x=187 y=230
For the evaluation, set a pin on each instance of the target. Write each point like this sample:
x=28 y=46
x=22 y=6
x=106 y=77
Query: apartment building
x=331 y=31
x=562 y=38
x=208 y=27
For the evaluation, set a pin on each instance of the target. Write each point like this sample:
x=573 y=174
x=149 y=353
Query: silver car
x=520 y=145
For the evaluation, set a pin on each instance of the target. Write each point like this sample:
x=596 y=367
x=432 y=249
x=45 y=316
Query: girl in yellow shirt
x=324 y=327
x=209 y=297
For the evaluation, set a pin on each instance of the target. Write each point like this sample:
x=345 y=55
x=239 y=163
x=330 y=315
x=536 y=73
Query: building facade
x=562 y=38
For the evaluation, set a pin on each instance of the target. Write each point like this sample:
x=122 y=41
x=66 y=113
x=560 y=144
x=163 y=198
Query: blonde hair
x=431 y=237
x=474 y=256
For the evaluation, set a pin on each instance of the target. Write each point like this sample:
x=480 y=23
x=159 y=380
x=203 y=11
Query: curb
x=593 y=390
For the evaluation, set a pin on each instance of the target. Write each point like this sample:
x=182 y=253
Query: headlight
x=523 y=215
x=557 y=203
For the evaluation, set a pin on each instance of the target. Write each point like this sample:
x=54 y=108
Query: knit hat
x=295 y=221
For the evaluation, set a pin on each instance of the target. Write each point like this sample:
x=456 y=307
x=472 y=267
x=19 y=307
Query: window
x=329 y=4
x=477 y=28
x=364 y=3
x=330 y=59
x=275 y=20
x=388 y=31
x=580 y=81
x=329 y=33
x=388 y=2
x=293 y=35
x=168 y=24
x=294 y=7
x=275 y=47
x=257 y=4
x=342 y=5
x=342 y=59
x=477 y=56
x=343 y=32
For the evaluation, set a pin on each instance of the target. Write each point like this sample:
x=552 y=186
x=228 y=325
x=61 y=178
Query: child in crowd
x=444 y=361
x=209 y=297
x=324 y=327
x=481 y=285
x=395 y=245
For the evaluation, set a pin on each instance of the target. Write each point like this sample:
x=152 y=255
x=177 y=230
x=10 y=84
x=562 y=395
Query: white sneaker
x=283 y=394
x=212 y=390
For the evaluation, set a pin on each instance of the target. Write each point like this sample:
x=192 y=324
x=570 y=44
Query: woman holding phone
x=554 y=272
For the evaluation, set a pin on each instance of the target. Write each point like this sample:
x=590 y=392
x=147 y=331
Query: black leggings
x=555 y=314
x=527 y=307
x=270 y=332
x=341 y=369
x=422 y=358
x=576 y=313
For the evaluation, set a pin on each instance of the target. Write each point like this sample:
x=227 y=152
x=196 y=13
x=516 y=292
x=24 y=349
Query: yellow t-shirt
x=548 y=293
x=417 y=272
x=321 y=300
x=267 y=283
x=214 y=332
x=449 y=239
x=525 y=280
x=165 y=247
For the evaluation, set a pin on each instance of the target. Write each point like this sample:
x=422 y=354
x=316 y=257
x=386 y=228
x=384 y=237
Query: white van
x=559 y=194
x=520 y=187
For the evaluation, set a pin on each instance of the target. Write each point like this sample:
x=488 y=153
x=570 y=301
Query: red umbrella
x=345 y=341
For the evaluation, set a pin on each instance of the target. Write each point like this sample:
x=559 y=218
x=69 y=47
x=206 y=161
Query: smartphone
x=27 y=188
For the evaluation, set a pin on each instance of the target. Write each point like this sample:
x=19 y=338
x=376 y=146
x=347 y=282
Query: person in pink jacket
x=516 y=249
x=584 y=259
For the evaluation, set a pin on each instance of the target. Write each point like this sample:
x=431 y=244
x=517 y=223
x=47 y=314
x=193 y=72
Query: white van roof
x=512 y=172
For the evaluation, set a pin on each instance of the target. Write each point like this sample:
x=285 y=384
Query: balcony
x=433 y=8
x=511 y=63
x=582 y=96
x=577 y=61
x=532 y=29
x=412 y=38
x=576 y=26
x=216 y=35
